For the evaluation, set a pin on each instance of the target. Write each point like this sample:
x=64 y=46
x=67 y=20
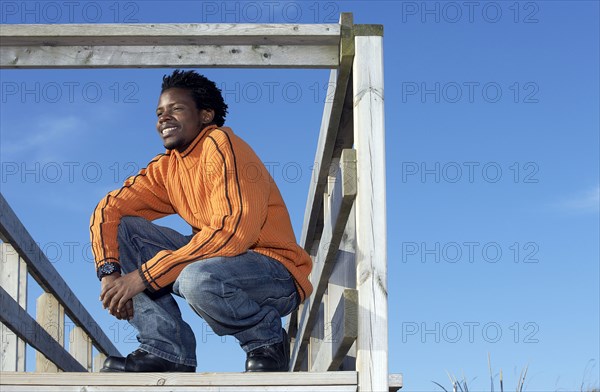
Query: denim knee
x=196 y=285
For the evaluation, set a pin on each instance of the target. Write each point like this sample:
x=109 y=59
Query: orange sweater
x=222 y=189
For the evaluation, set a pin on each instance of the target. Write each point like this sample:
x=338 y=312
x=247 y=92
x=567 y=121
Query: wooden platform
x=205 y=382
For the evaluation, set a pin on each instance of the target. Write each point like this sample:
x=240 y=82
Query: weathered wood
x=319 y=331
x=99 y=361
x=343 y=276
x=342 y=334
x=21 y=323
x=12 y=231
x=183 y=379
x=334 y=126
x=395 y=382
x=340 y=203
x=229 y=56
x=169 y=34
x=371 y=232
x=368 y=29
x=345 y=327
x=112 y=388
x=51 y=316
x=13 y=279
x=80 y=347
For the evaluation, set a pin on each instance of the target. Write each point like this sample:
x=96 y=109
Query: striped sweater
x=221 y=188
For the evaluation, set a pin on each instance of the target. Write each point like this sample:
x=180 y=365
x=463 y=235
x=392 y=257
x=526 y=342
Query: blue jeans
x=244 y=296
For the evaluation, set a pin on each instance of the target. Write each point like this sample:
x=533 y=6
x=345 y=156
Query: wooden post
x=99 y=361
x=13 y=278
x=80 y=347
x=51 y=316
x=371 y=232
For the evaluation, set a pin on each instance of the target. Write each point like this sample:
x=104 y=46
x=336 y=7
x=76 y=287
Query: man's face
x=179 y=120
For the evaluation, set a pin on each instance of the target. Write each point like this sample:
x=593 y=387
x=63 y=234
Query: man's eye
x=158 y=114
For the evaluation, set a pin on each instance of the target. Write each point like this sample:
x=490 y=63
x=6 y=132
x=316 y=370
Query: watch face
x=107 y=269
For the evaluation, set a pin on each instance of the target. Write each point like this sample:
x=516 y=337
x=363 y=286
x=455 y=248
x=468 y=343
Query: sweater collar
x=193 y=144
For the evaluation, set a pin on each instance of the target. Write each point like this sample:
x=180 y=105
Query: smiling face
x=179 y=120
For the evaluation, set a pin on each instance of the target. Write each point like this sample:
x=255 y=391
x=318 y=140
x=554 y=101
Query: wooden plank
x=13 y=231
x=349 y=361
x=343 y=333
x=340 y=203
x=51 y=316
x=169 y=34
x=99 y=361
x=343 y=276
x=227 y=56
x=22 y=300
x=278 y=388
x=182 y=379
x=395 y=382
x=336 y=112
x=371 y=231
x=319 y=331
x=80 y=347
x=20 y=322
x=344 y=326
x=13 y=279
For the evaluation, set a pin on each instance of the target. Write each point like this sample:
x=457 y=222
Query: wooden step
x=205 y=382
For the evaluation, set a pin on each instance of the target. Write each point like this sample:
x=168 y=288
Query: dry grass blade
x=522 y=380
x=440 y=385
x=491 y=375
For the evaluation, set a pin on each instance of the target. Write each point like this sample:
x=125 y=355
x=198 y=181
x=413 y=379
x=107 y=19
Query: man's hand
x=117 y=292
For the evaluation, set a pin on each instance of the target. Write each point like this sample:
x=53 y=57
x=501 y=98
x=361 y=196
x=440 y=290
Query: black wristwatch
x=107 y=269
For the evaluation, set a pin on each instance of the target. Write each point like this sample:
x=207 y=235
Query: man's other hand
x=117 y=293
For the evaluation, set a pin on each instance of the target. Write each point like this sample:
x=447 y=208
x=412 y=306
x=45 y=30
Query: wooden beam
x=337 y=111
x=80 y=347
x=159 y=388
x=21 y=323
x=205 y=56
x=336 y=130
x=170 y=45
x=368 y=29
x=371 y=231
x=13 y=231
x=13 y=279
x=395 y=382
x=343 y=332
x=171 y=380
x=51 y=316
x=99 y=361
x=340 y=203
x=159 y=34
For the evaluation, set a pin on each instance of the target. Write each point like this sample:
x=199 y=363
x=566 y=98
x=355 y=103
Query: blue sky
x=492 y=126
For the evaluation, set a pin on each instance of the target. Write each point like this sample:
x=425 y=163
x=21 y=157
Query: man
x=241 y=270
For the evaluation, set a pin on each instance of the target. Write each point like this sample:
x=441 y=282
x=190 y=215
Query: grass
x=462 y=385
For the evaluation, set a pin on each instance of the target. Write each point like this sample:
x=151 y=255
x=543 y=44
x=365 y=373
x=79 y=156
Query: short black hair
x=204 y=91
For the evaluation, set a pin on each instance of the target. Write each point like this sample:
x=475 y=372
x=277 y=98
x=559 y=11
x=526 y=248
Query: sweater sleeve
x=237 y=205
x=142 y=195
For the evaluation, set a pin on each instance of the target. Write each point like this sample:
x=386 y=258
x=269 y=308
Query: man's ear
x=208 y=115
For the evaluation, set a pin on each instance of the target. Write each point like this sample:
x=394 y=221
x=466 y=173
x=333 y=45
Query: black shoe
x=143 y=361
x=273 y=358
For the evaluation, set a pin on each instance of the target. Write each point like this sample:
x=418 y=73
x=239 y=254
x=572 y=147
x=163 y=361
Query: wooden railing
x=343 y=325
x=19 y=256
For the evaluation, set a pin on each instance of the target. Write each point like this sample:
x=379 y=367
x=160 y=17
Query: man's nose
x=164 y=116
